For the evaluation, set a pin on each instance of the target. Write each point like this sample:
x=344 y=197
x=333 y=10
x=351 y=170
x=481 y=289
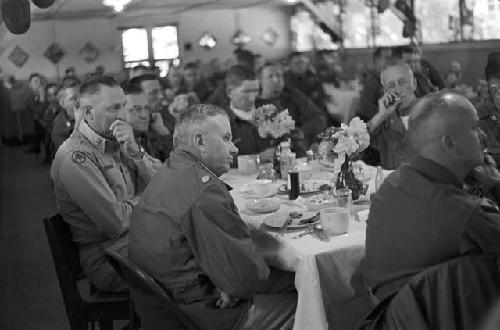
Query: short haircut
x=92 y=85
x=71 y=81
x=237 y=74
x=432 y=115
x=269 y=64
x=192 y=117
x=34 y=75
x=143 y=77
x=132 y=89
x=400 y=65
x=51 y=85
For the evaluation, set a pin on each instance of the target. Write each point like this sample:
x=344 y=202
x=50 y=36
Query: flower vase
x=347 y=179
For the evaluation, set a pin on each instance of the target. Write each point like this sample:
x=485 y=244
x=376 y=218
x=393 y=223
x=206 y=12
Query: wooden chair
x=82 y=309
x=139 y=280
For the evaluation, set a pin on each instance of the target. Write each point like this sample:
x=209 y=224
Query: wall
x=104 y=34
x=472 y=56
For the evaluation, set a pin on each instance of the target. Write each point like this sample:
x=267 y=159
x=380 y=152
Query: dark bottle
x=276 y=161
x=293 y=183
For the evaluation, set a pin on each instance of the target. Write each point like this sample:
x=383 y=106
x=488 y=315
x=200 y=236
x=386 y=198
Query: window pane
x=165 y=42
x=306 y=34
x=391 y=30
x=356 y=24
x=485 y=20
x=439 y=20
x=163 y=67
x=135 y=45
x=129 y=65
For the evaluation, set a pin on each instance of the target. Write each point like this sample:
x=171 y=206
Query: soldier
x=187 y=233
x=97 y=175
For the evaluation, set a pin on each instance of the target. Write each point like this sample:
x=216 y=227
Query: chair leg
x=106 y=325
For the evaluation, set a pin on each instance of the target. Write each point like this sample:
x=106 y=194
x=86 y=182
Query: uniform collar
x=100 y=143
x=186 y=157
x=436 y=171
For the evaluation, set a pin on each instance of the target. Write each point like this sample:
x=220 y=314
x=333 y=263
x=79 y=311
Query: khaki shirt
x=96 y=186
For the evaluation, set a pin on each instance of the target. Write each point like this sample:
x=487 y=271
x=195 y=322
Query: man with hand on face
x=242 y=90
x=388 y=128
x=186 y=232
x=96 y=173
x=149 y=129
x=65 y=120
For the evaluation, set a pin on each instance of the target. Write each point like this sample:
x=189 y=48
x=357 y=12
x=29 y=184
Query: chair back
x=456 y=294
x=138 y=279
x=66 y=260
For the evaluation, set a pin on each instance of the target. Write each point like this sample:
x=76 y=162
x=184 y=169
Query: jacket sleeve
x=222 y=245
x=368 y=100
x=146 y=168
x=88 y=188
x=482 y=232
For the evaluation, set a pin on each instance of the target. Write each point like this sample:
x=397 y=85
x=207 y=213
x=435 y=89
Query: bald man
x=388 y=128
x=421 y=216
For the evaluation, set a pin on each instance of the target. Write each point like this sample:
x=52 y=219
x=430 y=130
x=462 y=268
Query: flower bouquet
x=272 y=123
x=337 y=146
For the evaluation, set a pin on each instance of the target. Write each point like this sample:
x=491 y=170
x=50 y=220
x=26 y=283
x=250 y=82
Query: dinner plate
x=262 y=205
x=278 y=219
x=250 y=194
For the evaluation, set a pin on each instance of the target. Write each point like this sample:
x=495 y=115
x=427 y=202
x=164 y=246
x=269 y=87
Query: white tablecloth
x=326 y=273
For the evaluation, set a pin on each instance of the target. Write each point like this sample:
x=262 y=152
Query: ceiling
x=74 y=9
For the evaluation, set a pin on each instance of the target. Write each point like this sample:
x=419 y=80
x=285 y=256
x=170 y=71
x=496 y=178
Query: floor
x=30 y=297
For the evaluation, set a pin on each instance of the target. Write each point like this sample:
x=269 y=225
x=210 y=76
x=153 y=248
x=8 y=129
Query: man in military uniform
x=186 y=232
x=149 y=129
x=97 y=174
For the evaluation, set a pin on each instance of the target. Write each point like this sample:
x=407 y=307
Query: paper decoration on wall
x=207 y=41
x=18 y=56
x=269 y=36
x=89 y=52
x=54 y=53
x=44 y=4
x=240 y=38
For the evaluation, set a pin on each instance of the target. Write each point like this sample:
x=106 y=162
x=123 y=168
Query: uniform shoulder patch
x=78 y=157
x=205 y=178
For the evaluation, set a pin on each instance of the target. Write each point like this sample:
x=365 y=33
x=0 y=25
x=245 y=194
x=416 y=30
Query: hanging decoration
x=44 y=4
x=16 y=15
x=89 y=52
x=18 y=56
x=207 y=40
x=240 y=38
x=269 y=36
x=54 y=53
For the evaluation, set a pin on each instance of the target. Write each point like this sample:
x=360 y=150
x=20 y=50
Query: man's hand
x=157 y=124
x=387 y=104
x=267 y=155
x=225 y=300
x=123 y=133
x=487 y=174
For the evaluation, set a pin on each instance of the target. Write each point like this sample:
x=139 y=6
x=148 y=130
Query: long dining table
x=331 y=294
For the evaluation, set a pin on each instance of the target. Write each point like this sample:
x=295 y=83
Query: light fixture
x=118 y=5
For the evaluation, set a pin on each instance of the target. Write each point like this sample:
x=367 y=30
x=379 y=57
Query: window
x=156 y=46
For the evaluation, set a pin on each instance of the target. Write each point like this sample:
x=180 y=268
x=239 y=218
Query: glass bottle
x=379 y=178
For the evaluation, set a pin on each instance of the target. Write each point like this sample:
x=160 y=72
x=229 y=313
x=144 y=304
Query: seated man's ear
x=229 y=90
x=448 y=142
x=199 y=142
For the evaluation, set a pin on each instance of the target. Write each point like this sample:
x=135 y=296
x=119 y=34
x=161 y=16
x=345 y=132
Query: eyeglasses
x=392 y=85
x=137 y=109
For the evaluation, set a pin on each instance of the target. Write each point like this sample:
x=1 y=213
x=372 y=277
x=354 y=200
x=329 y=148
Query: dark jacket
x=370 y=94
x=186 y=232
x=489 y=122
x=421 y=217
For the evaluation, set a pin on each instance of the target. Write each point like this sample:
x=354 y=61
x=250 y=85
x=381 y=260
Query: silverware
x=308 y=231
x=320 y=234
x=285 y=225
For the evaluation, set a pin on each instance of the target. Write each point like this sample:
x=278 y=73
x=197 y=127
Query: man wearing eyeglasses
x=388 y=128
x=488 y=108
x=149 y=129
